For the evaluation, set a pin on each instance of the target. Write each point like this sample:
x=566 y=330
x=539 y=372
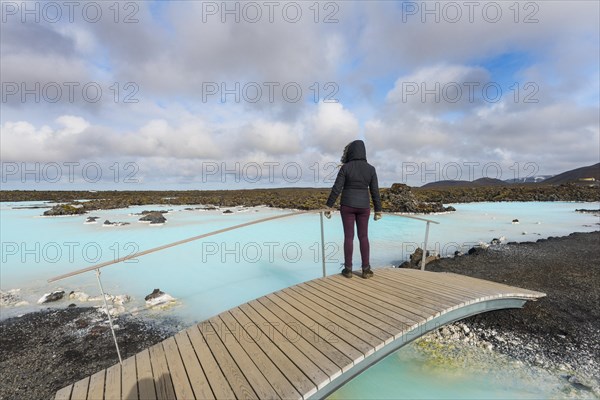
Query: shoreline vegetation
x=397 y=198
x=43 y=351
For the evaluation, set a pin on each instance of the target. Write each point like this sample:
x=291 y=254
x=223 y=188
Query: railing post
x=323 y=245
x=425 y=247
x=112 y=328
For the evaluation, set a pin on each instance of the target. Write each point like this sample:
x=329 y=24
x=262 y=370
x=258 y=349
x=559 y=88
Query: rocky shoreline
x=44 y=351
x=397 y=198
x=559 y=333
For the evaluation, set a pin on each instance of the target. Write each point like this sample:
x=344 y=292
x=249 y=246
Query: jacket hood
x=354 y=151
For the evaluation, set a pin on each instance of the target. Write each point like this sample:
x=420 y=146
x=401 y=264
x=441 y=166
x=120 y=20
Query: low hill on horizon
x=578 y=175
x=581 y=175
x=476 y=183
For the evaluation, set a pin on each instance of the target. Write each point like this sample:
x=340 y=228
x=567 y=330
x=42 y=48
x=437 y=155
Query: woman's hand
x=328 y=212
x=378 y=215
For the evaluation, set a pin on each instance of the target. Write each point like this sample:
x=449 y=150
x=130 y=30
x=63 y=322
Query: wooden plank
x=372 y=306
x=64 y=393
x=145 y=380
x=409 y=284
x=278 y=380
x=181 y=383
x=349 y=308
x=80 y=389
x=323 y=341
x=507 y=289
x=486 y=289
x=411 y=304
x=291 y=371
x=238 y=382
x=112 y=389
x=467 y=283
x=462 y=278
x=306 y=365
x=332 y=318
x=434 y=277
x=400 y=290
x=456 y=286
x=198 y=379
x=337 y=312
x=404 y=304
x=351 y=345
x=461 y=297
x=326 y=361
x=414 y=285
x=359 y=304
x=253 y=374
x=218 y=383
x=405 y=316
x=129 y=379
x=458 y=281
x=96 y=388
x=380 y=302
x=417 y=301
x=160 y=372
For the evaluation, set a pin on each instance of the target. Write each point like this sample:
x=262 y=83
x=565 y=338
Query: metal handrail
x=413 y=217
x=428 y=221
x=97 y=267
x=166 y=246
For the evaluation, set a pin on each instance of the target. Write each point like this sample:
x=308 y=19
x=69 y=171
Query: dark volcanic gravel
x=44 y=351
x=564 y=327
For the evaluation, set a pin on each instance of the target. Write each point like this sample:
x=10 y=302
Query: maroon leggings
x=350 y=215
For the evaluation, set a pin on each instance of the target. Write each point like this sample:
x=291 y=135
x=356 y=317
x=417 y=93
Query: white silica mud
x=426 y=369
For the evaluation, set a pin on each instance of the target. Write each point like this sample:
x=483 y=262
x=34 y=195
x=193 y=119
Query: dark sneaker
x=347 y=273
x=367 y=273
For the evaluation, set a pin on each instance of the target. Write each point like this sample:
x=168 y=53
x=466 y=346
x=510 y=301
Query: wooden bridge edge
x=443 y=319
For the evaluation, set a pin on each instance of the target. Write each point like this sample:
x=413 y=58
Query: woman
x=355 y=179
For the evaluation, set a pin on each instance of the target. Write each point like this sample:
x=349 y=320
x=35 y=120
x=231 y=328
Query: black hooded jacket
x=355 y=179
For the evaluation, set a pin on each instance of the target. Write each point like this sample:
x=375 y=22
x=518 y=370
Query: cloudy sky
x=212 y=95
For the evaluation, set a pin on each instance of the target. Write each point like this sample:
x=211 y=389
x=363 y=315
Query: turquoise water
x=470 y=373
x=220 y=272
x=217 y=273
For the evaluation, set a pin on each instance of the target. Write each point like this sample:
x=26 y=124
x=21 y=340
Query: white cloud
x=391 y=32
x=75 y=139
x=371 y=53
x=273 y=138
x=332 y=127
x=72 y=125
x=439 y=88
x=22 y=141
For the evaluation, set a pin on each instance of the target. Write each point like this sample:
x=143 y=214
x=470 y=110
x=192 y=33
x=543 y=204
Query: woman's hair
x=345 y=153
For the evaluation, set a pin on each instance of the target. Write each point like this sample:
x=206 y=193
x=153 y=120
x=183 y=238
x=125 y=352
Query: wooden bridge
x=300 y=342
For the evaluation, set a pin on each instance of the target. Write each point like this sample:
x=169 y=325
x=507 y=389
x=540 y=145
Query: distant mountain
x=580 y=175
x=476 y=183
x=583 y=175
x=444 y=184
x=488 y=182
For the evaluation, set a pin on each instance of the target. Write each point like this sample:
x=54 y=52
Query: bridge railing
x=321 y=212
